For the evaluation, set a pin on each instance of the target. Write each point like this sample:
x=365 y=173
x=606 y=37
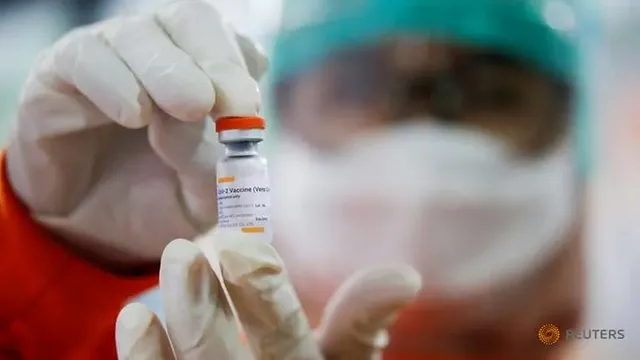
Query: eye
x=491 y=88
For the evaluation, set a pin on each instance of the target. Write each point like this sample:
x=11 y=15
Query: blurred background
x=611 y=83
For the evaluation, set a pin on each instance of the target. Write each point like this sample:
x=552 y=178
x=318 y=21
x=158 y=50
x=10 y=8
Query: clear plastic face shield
x=454 y=159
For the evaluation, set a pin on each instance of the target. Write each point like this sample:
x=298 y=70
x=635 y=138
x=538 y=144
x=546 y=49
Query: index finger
x=199 y=30
x=266 y=303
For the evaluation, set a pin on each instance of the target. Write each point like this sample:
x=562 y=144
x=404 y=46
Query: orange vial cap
x=240 y=123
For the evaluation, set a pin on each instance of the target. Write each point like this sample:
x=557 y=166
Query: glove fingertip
x=366 y=304
x=406 y=279
x=132 y=323
x=389 y=284
x=133 y=316
x=180 y=248
x=178 y=254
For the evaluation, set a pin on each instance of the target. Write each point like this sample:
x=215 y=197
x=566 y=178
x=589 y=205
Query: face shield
x=449 y=149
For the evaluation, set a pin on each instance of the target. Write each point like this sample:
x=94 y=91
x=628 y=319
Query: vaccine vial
x=243 y=181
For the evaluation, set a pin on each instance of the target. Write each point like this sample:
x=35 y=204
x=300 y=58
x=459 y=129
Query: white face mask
x=448 y=201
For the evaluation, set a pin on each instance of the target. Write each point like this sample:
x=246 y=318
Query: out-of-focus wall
x=613 y=87
x=255 y=18
x=24 y=31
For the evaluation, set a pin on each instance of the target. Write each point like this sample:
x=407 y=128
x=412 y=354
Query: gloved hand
x=201 y=323
x=112 y=148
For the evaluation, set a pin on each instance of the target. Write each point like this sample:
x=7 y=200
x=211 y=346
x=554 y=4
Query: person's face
x=378 y=88
x=374 y=87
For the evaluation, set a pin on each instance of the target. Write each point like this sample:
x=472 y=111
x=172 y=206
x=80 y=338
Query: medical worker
x=439 y=134
x=112 y=159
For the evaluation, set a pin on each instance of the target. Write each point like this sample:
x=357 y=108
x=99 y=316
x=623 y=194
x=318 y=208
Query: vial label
x=243 y=204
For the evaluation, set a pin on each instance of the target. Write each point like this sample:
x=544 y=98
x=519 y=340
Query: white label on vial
x=243 y=204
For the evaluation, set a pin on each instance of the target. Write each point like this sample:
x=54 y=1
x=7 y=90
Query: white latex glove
x=112 y=148
x=201 y=324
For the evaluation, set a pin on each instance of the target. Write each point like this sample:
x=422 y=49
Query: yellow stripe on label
x=253 y=230
x=226 y=179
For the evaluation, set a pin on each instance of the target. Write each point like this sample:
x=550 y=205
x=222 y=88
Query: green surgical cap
x=313 y=30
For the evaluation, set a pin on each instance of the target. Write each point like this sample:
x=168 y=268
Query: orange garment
x=53 y=304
